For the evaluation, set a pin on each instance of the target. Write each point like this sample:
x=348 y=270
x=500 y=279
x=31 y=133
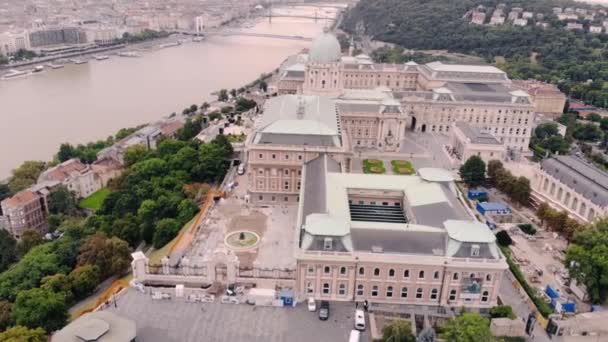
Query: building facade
x=571 y=184
x=74 y=175
x=27 y=210
x=431 y=96
x=392 y=240
x=467 y=141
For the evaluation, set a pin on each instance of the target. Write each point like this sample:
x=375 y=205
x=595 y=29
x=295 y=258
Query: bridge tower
x=269 y=12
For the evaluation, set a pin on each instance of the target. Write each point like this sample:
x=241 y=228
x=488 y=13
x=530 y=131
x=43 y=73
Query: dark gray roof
x=434 y=214
x=318 y=244
x=294 y=74
x=296 y=139
x=583 y=177
x=480 y=92
x=394 y=241
x=476 y=135
x=315 y=172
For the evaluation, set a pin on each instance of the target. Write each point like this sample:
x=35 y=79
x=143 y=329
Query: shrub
x=503 y=238
x=527 y=228
x=501 y=311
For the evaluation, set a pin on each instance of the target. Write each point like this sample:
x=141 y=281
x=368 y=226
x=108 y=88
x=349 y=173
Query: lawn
x=233 y=138
x=94 y=201
x=373 y=166
x=403 y=167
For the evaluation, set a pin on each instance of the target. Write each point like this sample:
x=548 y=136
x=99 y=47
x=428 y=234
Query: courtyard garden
x=94 y=201
x=402 y=167
x=373 y=166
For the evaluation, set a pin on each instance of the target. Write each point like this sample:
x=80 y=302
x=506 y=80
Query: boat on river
x=166 y=45
x=55 y=66
x=78 y=61
x=13 y=73
x=101 y=57
x=129 y=54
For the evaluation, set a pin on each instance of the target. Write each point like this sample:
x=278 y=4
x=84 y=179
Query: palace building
x=429 y=97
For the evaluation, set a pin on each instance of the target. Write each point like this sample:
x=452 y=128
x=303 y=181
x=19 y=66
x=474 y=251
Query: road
x=513 y=297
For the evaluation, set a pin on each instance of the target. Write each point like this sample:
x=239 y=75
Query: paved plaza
x=177 y=321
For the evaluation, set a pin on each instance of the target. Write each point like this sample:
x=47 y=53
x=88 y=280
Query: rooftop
x=475 y=135
x=20 y=198
x=99 y=326
x=64 y=170
x=299 y=120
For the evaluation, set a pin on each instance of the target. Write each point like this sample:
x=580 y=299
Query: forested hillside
x=568 y=58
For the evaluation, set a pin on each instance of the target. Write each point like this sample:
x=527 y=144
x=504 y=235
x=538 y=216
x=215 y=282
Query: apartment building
x=74 y=175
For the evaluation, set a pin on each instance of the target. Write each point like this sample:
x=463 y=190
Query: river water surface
x=87 y=102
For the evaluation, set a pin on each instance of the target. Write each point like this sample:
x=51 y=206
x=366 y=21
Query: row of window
x=286 y=156
x=327 y=270
x=273 y=198
x=389 y=292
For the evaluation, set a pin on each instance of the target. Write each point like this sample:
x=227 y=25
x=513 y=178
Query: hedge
x=527 y=228
x=543 y=307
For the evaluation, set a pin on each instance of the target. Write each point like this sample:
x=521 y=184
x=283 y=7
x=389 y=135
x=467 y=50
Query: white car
x=312 y=305
x=241 y=169
x=359 y=320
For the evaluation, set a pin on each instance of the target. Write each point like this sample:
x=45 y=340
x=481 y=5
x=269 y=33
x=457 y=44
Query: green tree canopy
x=166 y=230
x=6 y=309
x=23 y=334
x=26 y=175
x=587 y=260
x=473 y=171
x=62 y=201
x=398 y=331
x=222 y=95
x=467 y=327
x=40 y=308
x=8 y=250
x=112 y=256
x=29 y=239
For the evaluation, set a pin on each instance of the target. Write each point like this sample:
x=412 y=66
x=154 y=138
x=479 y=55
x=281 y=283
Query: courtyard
x=175 y=320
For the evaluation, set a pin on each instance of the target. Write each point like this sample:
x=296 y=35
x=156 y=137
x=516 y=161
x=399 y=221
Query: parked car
x=324 y=310
x=354 y=336
x=312 y=305
x=241 y=169
x=359 y=320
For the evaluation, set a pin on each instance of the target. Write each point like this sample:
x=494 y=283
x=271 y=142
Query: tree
x=233 y=93
x=190 y=129
x=263 y=86
x=186 y=210
x=212 y=165
x=166 y=230
x=587 y=132
x=83 y=280
x=222 y=95
x=473 y=172
x=40 y=308
x=29 y=239
x=398 y=331
x=587 y=260
x=546 y=130
x=594 y=117
x=23 y=334
x=502 y=311
x=66 y=152
x=493 y=167
x=5 y=191
x=26 y=175
x=521 y=190
x=503 y=238
x=222 y=141
x=467 y=327
x=62 y=201
x=134 y=154
x=8 y=250
x=543 y=211
x=604 y=124
x=112 y=256
x=6 y=308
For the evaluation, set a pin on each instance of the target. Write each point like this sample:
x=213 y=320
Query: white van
x=359 y=320
x=354 y=336
x=241 y=169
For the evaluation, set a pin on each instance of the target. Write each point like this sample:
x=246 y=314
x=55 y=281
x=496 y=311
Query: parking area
x=177 y=321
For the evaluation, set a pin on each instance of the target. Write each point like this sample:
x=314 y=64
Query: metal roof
x=99 y=326
x=582 y=177
x=475 y=135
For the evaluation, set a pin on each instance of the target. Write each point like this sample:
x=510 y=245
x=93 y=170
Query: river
x=82 y=103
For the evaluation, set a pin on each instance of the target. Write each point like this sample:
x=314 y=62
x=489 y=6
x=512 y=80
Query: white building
x=571 y=184
x=497 y=20
x=467 y=141
x=520 y=22
x=11 y=42
x=595 y=29
x=74 y=175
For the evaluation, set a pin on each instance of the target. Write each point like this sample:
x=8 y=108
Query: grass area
x=543 y=307
x=158 y=254
x=373 y=166
x=403 y=167
x=234 y=138
x=94 y=201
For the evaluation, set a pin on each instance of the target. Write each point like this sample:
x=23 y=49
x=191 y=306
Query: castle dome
x=325 y=48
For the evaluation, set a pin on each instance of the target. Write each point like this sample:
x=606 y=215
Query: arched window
x=488 y=277
x=376 y=272
x=342 y=289
x=484 y=296
x=436 y=275
x=455 y=276
x=452 y=295
x=375 y=291
x=404 y=292
x=389 y=291
x=419 y=293
x=421 y=275
x=326 y=288
x=361 y=271
x=391 y=273
x=343 y=270
x=310 y=287
x=327 y=270
x=406 y=274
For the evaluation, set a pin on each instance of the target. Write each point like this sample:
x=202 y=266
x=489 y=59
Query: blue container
x=551 y=292
x=473 y=194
